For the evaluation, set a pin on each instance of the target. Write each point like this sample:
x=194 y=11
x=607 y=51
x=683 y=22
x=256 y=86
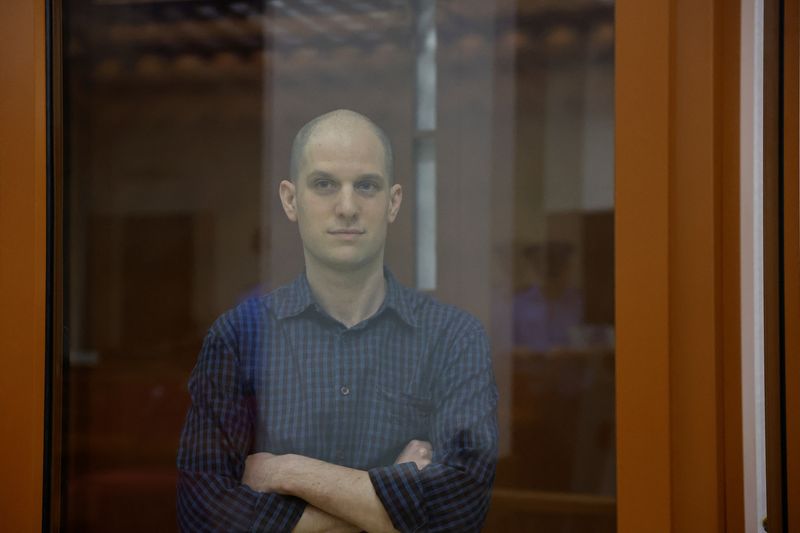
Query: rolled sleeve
x=216 y=503
x=277 y=513
x=400 y=491
x=453 y=492
x=437 y=498
x=215 y=441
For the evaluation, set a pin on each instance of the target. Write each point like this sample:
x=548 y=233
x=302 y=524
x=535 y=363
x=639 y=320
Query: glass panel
x=180 y=122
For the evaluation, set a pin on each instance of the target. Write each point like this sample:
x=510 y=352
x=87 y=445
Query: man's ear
x=395 y=199
x=288 y=194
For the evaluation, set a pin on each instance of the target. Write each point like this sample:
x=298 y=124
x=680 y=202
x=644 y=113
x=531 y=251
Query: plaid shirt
x=278 y=374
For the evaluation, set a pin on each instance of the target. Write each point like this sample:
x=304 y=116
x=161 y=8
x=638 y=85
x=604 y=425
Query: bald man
x=342 y=401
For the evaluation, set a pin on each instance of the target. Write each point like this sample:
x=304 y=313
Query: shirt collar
x=397 y=298
x=294 y=298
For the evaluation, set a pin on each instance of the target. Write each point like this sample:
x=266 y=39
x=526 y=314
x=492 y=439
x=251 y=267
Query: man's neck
x=349 y=297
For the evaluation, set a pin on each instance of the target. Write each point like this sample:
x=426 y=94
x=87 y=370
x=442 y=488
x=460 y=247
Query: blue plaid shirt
x=278 y=374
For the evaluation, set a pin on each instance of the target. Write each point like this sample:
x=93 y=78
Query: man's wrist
x=289 y=473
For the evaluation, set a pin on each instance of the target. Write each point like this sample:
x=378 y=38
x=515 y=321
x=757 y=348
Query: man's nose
x=346 y=205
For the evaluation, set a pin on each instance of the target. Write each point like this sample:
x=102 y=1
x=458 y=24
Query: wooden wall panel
x=22 y=261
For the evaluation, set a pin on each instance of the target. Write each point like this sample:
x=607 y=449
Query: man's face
x=342 y=198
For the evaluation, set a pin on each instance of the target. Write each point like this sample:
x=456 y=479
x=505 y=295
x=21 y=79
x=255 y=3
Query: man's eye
x=323 y=184
x=367 y=186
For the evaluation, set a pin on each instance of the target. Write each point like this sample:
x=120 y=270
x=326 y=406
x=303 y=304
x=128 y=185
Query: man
x=343 y=401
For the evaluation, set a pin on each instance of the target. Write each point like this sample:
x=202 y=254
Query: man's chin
x=345 y=259
x=347 y=263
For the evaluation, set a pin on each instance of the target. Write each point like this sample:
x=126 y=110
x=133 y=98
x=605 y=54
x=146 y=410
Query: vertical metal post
x=425 y=146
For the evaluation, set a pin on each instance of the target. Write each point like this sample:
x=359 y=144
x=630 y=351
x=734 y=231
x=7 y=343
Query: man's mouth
x=346 y=232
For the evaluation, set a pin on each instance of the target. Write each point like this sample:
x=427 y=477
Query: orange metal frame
x=791 y=265
x=22 y=261
x=678 y=399
x=677 y=243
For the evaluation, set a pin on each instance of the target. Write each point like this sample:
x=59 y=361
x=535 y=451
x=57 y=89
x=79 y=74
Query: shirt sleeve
x=215 y=441
x=453 y=492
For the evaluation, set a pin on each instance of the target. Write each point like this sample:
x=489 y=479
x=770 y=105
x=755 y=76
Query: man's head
x=341 y=191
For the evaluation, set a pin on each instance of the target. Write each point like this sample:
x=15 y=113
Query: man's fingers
x=424 y=448
x=416 y=451
x=423 y=451
x=418 y=444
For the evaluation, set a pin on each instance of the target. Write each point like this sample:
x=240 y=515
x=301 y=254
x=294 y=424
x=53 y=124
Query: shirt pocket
x=409 y=416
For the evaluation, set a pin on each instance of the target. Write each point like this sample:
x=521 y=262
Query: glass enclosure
x=179 y=120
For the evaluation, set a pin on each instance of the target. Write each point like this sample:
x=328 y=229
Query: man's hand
x=416 y=451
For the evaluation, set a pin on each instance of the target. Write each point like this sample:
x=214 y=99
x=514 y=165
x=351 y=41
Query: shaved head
x=343 y=120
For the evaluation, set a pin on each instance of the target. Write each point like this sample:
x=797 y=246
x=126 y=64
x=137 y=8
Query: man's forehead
x=358 y=144
x=334 y=164
x=344 y=131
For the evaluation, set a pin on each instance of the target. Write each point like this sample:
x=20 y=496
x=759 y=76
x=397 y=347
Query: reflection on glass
x=548 y=311
x=180 y=120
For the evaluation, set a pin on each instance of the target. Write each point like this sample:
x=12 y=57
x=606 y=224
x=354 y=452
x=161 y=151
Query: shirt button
x=345 y=390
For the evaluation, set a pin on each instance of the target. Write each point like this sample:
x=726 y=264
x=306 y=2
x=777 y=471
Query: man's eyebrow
x=371 y=176
x=319 y=174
